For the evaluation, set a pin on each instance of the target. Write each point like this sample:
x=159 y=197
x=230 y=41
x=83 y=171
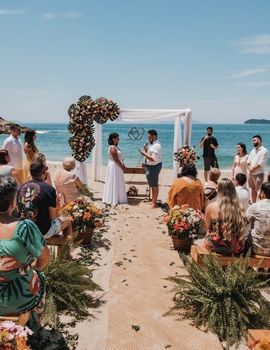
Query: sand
x=132 y=274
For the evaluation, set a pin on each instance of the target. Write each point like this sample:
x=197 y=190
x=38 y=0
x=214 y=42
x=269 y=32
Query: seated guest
x=241 y=190
x=259 y=216
x=225 y=221
x=22 y=286
x=187 y=189
x=40 y=157
x=67 y=182
x=210 y=189
x=37 y=201
x=5 y=169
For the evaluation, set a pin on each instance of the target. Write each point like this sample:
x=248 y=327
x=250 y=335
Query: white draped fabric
x=147 y=115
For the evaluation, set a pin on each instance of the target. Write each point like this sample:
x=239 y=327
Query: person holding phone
x=209 y=144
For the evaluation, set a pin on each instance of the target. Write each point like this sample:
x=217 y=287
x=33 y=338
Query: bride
x=114 y=190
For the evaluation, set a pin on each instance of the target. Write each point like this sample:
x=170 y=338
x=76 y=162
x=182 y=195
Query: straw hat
x=68 y=163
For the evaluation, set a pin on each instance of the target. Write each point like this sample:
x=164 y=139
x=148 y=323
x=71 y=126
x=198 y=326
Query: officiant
x=152 y=152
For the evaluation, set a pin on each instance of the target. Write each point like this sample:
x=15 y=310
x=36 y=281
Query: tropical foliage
x=227 y=302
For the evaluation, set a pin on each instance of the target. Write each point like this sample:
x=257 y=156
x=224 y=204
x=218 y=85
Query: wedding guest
x=187 y=189
x=210 y=189
x=241 y=190
x=115 y=189
x=14 y=147
x=256 y=164
x=209 y=144
x=67 y=182
x=22 y=284
x=240 y=165
x=259 y=216
x=30 y=150
x=152 y=152
x=225 y=221
x=40 y=157
x=38 y=202
x=5 y=168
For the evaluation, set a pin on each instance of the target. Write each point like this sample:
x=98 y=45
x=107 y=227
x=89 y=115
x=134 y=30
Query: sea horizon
x=52 y=140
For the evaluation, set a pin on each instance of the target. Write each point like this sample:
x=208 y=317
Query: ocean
x=52 y=140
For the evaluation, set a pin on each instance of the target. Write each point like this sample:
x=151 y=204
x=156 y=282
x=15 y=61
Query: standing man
x=209 y=144
x=153 y=163
x=256 y=165
x=14 y=147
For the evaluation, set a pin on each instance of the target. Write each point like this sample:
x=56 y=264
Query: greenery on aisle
x=227 y=302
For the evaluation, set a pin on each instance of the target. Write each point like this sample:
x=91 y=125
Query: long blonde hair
x=231 y=212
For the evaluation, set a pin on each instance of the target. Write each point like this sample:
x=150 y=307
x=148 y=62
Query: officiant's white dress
x=114 y=189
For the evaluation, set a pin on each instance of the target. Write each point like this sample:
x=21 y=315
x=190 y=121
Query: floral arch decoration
x=82 y=116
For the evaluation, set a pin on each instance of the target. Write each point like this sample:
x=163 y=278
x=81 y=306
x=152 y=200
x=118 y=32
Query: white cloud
x=48 y=15
x=254 y=84
x=67 y=15
x=258 y=44
x=12 y=12
x=248 y=72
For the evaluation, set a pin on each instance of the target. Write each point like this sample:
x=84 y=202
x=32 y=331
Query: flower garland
x=81 y=123
x=186 y=155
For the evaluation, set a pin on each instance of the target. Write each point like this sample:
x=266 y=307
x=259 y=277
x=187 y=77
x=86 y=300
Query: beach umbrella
x=5 y=126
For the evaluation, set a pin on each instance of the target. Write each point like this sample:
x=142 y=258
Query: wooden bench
x=18 y=319
x=198 y=253
x=255 y=335
x=58 y=242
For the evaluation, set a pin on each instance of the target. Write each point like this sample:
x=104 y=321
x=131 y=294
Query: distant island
x=257 y=121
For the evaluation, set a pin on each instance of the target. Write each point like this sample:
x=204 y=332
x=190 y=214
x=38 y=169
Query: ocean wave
x=41 y=132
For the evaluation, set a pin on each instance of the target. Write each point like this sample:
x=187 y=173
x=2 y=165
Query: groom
x=153 y=156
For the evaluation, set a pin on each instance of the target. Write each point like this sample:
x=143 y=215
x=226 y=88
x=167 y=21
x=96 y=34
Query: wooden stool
x=58 y=242
x=18 y=319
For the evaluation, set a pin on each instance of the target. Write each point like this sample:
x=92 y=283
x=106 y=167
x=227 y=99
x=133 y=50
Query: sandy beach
x=132 y=275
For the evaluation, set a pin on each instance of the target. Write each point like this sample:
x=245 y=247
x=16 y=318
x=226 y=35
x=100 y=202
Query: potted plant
x=227 y=302
x=183 y=224
x=85 y=217
x=13 y=336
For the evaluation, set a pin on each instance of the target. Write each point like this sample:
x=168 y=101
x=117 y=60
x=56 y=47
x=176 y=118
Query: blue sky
x=211 y=56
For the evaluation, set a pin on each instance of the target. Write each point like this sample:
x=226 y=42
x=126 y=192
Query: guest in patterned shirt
x=259 y=216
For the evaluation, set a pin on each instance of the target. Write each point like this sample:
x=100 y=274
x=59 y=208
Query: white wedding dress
x=114 y=189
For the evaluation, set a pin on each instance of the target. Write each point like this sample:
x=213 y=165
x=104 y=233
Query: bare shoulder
x=212 y=207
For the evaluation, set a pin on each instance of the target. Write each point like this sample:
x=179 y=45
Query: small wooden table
x=138 y=170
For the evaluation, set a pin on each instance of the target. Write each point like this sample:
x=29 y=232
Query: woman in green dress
x=23 y=254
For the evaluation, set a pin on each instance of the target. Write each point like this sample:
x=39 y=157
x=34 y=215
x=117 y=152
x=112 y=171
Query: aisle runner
x=139 y=295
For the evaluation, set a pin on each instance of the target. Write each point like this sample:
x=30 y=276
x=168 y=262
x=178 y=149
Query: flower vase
x=84 y=236
x=182 y=245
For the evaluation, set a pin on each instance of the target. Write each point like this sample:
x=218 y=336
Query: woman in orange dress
x=187 y=189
